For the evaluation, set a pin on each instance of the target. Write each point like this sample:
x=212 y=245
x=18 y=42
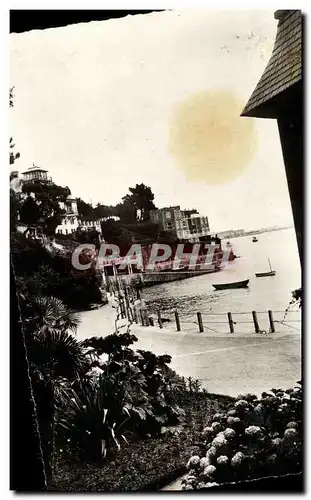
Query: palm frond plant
x=54 y=356
x=54 y=313
x=130 y=394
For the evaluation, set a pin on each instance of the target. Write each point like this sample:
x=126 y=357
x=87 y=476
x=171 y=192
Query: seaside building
x=183 y=224
x=35 y=174
x=71 y=220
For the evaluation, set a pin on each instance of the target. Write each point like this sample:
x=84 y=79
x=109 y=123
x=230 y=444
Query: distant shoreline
x=257 y=231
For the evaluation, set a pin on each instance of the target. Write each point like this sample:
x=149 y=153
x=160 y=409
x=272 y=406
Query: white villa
x=71 y=220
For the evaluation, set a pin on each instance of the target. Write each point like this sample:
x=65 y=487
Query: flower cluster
x=254 y=438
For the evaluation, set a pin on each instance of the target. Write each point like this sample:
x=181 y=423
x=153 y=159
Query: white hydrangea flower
x=229 y=433
x=209 y=470
x=193 y=461
x=205 y=462
x=276 y=442
x=218 y=416
x=212 y=452
x=272 y=458
x=236 y=420
x=252 y=430
x=259 y=409
x=241 y=403
x=208 y=431
x=237 y=459
x=216 y=426
x=292 y=425
x=290 y=434
x=223 y=460
x=219 y=440
x=231 y=413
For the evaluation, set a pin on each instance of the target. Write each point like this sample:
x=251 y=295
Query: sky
x=155 y=99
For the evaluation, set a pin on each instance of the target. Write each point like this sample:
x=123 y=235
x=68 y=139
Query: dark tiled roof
x=284 y=68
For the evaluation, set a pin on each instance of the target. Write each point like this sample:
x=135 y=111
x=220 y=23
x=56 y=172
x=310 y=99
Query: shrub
x=265 y=439
x=134 y=392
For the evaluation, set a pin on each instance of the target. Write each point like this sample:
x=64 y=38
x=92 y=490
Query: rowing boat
x=235 y=284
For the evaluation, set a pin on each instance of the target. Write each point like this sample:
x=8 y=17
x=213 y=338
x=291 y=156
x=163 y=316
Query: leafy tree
x=13 y=156
x=141 y=198
x=47 y=198
x=104 y=211
x=43 y=273
x=85 y=209
x=126 y=210
x=53 y=355
x=14 y=199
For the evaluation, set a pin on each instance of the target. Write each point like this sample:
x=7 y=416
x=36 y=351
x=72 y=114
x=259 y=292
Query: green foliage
x=48 y=214
x=144 y=464
x=40 y=272
x=134 y=394
x=141 y=198
x=254 y=438
x=126 y=210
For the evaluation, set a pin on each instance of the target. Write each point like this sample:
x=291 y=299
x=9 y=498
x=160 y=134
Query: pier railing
x=266 y=322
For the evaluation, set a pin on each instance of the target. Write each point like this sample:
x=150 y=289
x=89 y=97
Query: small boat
x=266 y=273
x=254 y=240
x=235 y=284
x=228 y=244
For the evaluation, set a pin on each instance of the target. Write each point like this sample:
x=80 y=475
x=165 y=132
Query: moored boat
x=235 y=284
x=266 y=273
x=254 y=240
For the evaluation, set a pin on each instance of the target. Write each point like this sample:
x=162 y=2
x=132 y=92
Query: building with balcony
x=35 y=174
x=71 y=220
x=183 y=224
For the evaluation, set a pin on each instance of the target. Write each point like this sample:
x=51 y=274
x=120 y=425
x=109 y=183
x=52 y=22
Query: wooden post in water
x=135 y=315
x=147 y=323
x=160 y=319
x=271 y=321
x=201 y=327
x=142 y=317
x=177 y=321
x=231 y=325
x=256 y=324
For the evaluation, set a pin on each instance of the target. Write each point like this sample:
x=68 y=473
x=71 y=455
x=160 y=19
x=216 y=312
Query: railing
x=265 y=322
x=262 y=322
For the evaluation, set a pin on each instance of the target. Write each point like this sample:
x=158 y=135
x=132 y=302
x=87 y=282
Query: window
x=66 y=230
x=60 y=231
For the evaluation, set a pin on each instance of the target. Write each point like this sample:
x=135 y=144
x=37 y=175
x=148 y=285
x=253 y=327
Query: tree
x=104 y=211
x=48 y=197
x=85 y=209
x=141 y=198
x=53 y=355
x=126 y=210
x=14 y=199
x=13 y=156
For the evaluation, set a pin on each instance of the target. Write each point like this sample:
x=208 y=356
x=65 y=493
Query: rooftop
x=284 y=68
x=34 y=168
